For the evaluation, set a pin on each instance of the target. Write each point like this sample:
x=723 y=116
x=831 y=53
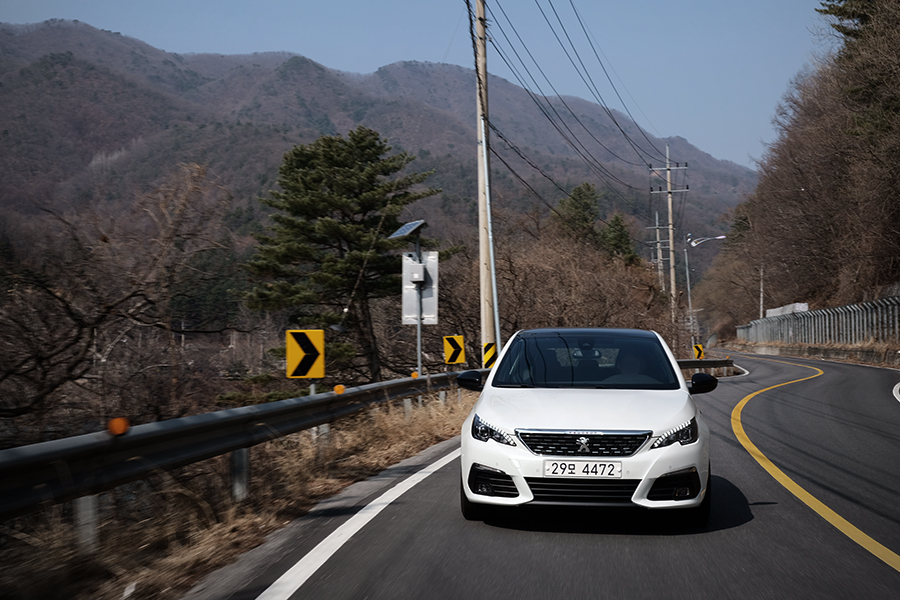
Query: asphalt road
x=834 y=532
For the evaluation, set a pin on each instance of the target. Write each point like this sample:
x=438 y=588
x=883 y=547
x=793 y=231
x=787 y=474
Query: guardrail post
x=86 y=523
x=322 y=433
x=442 y=397
x=240 y=474
x=407 y=408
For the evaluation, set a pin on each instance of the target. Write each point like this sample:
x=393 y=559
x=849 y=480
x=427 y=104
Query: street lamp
x=413 y=228
x=687 y=272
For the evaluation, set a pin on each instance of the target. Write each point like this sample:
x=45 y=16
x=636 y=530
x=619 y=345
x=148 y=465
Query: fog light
x=484 y=488
x=682 y=492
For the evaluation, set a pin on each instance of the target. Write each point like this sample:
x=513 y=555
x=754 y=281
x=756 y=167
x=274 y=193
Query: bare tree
x=86 y=321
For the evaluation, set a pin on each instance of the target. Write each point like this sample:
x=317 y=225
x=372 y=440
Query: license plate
x=583 y=468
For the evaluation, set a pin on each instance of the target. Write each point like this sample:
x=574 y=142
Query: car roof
x=595 y=331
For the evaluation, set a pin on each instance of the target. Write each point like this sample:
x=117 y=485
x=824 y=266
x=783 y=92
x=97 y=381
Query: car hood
x=581 y=409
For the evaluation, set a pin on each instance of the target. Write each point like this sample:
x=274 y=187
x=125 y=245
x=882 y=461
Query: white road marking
x=297 y=575
x=897 y=392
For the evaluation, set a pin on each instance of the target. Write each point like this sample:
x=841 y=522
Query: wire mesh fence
x=872 y=322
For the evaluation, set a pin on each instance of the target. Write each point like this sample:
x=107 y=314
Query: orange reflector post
x=118 y=426
x=415 y=375
x=339 y=389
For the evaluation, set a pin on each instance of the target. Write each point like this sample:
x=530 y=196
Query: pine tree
x=327 y=254
x=617 y=241
x=576 y=214
x=851 y=16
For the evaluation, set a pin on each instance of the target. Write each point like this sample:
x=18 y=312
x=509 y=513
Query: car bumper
x=667 y=478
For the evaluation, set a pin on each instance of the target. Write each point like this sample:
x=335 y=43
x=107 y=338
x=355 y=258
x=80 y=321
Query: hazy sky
x=711 y=71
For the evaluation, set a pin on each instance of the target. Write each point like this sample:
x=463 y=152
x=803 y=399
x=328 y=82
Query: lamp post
x=687 y=272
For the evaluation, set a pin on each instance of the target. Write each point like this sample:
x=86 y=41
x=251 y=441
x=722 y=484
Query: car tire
x=471 y=511
x=699 y=516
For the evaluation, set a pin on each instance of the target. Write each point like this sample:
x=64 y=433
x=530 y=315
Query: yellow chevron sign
x=454 y=350
x=306 y=353
x=698 y=351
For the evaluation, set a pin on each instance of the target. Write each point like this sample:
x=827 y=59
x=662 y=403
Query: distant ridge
x=94 y=115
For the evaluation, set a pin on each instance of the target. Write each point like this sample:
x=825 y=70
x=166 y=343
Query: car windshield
x=561 y=359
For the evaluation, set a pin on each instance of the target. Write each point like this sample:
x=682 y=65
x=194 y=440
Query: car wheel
x=471 y=511
x=700 y=516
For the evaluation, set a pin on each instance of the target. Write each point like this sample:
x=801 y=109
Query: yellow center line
x=842 y=524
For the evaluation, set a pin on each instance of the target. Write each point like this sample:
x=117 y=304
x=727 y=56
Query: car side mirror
x=702 y=383
x=470 y=380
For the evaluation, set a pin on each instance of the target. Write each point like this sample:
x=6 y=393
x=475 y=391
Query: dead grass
x=161 y=536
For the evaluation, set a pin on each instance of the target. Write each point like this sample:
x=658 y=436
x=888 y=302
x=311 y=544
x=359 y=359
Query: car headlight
x=484 y=431
x=686 y=433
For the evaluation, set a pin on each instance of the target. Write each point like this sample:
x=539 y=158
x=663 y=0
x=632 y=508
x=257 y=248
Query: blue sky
x=710 y=71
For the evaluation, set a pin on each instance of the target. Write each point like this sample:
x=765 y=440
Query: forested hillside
x=822 y=226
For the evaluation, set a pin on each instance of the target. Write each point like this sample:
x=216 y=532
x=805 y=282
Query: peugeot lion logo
x=583 y=445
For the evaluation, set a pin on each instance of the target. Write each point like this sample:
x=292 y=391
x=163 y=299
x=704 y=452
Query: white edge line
x=897 y=392
x=297 y=575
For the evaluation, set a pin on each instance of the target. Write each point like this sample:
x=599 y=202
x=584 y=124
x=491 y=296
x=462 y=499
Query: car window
x=567 y=360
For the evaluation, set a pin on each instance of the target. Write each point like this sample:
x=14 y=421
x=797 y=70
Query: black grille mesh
x=570 y=444
x=605 y=492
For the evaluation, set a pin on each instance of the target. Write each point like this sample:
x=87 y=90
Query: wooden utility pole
x=490 y=316
x=669 y=192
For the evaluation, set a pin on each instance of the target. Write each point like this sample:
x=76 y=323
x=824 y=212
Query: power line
x=520 y=70
x=521 y=155
x=558 y=95
x=592 y=162
x=611 y=83
x=593 y=91
x=638 y=150
x=584 y=152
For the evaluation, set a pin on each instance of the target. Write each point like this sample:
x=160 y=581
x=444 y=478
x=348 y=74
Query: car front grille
x=583 y=492
x=583 y=443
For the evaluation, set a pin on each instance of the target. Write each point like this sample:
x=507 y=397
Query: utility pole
x=659 y=257
x=669 y=192
x=490 y=314
x=762 y=313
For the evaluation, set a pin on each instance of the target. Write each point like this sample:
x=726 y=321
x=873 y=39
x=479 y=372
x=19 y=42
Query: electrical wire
x=571 y=138
x=599 y=99
x=558 y=95
x=594 y=164
x=552 y=114
x=608 y=78
x=531 y=163
x=591 y=86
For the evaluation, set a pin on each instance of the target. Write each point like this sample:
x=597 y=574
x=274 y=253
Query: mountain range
x=94 y=115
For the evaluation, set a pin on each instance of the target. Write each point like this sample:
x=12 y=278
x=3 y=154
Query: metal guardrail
x=706 y=363
x=876 y=321
x=57 y=471
x=61 y=470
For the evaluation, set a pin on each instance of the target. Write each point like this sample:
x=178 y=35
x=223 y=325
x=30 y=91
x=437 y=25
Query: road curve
x=832 y=430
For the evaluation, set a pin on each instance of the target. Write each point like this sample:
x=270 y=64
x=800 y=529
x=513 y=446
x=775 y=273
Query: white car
x=586 y=417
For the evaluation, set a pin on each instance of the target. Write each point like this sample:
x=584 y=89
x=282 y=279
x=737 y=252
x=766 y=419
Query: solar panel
x=407 y=229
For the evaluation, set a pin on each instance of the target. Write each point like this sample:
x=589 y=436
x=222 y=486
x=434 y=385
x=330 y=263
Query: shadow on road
x=730 y=509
